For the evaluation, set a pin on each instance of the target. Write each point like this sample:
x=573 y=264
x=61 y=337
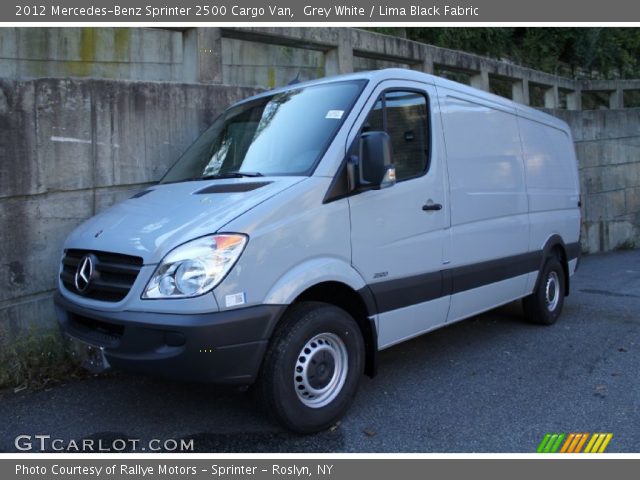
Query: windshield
x=282 y=134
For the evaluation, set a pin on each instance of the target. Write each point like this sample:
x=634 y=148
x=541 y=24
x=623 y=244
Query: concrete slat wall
x=608 y=150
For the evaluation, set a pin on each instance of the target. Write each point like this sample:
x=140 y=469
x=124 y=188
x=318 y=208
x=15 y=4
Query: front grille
x=112 y=278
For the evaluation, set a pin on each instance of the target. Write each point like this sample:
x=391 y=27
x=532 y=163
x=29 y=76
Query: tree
x=593 y=52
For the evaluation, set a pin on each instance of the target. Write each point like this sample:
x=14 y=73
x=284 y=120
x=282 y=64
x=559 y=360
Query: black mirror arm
x=352 y=172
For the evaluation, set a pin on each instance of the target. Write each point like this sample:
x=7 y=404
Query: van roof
x=376 y=76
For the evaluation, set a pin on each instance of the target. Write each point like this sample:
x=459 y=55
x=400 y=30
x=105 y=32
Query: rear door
x=399 y=234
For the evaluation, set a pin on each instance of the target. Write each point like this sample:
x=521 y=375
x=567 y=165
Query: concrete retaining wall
x=70 y=148
x=608 y=149
x=119 y=53
x=270 y=56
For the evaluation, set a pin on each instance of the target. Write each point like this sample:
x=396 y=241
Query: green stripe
x=555 y=448
x=550 y=443
x=543 y=443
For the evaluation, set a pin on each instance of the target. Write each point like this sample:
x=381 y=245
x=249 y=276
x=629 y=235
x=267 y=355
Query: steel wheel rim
x=321 y=370
x=552 y=291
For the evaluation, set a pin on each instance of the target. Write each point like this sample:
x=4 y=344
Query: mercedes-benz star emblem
x=84 y=273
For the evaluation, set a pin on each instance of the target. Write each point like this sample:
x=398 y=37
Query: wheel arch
x=336 y=282
x=359 y=304
x=555 y=246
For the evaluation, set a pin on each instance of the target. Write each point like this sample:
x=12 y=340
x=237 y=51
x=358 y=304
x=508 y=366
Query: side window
x=404 y=116
x=375 y=120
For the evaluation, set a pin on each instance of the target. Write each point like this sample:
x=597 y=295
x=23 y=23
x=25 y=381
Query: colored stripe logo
x=574 y=443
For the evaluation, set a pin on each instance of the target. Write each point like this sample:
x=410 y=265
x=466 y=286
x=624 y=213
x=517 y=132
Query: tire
x=312 y=367
x=544 y=305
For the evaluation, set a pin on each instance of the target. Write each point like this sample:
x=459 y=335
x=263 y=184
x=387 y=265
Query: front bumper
x=220 y=347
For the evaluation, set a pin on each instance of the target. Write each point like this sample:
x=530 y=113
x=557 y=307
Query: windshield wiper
x=229 y=175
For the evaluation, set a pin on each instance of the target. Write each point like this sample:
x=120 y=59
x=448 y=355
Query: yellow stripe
x=607 y=439
x=567 y=442
x=582 y=440
x=599 y=440
x=593 y=439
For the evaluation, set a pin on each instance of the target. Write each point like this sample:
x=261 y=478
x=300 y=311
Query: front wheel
x=544 y=305
x=312 y=368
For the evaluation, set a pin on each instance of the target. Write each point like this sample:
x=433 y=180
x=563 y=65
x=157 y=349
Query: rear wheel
x=312 y=368
x=544 y=305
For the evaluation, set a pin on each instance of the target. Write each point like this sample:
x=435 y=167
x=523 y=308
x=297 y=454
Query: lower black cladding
x=404 y=292
x=479 y=274
x=219 y=347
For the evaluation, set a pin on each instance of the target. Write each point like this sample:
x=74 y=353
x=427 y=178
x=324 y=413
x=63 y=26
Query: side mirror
x=376 y=169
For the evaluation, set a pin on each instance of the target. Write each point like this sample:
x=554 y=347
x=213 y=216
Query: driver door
x=400 y=234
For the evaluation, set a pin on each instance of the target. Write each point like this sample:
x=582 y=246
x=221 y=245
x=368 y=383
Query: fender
x=310 y=273
x=328 y=269
x=569 y=252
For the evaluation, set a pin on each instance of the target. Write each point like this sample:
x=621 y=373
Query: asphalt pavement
x=492 y=383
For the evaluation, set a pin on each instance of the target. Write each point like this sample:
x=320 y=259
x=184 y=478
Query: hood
x=161 y=217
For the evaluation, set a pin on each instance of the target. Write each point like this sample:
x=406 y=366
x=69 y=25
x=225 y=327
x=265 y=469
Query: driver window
x=404 y=116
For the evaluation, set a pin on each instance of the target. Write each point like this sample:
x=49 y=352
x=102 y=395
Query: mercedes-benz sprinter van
x=314 y=225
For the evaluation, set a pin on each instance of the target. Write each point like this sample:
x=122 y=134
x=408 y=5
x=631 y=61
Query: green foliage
x=587 y=52
x=628 y=244
x=35 y=360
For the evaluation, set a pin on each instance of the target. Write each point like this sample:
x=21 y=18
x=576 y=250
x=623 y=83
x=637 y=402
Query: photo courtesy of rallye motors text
x=142 y=471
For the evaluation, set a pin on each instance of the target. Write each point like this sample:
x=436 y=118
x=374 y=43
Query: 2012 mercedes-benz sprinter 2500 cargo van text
x=313 y=225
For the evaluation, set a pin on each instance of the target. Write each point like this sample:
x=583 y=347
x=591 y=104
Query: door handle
x=432 y=206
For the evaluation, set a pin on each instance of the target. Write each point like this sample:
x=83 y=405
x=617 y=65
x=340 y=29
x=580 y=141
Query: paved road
x=490 y=384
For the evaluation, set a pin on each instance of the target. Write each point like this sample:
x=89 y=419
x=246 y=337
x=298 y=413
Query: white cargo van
x=314 y=225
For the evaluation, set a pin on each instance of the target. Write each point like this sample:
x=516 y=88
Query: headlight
x=195 y=267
